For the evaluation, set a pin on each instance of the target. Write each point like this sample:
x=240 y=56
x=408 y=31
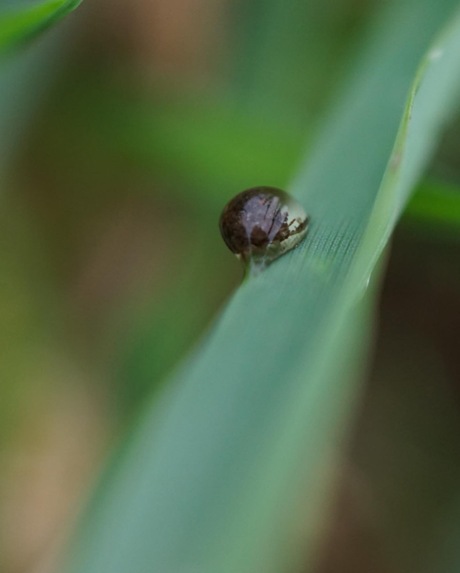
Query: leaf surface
x=20 y=24
x=231 y=469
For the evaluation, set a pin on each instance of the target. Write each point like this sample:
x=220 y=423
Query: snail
x=262 y=223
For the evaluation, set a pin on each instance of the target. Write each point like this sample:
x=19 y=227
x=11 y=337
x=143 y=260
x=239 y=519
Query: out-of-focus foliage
x=21 y=23
x=436 y=204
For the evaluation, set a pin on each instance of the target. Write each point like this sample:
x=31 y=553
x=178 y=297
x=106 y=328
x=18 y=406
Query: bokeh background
x=139 y=120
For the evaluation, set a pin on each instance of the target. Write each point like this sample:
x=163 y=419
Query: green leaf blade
x=21 y=24
x=252 y=424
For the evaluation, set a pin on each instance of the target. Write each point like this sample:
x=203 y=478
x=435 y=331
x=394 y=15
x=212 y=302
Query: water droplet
x=261 y=224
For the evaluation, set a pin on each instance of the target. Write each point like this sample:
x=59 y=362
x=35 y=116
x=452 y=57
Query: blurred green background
x=124 y=132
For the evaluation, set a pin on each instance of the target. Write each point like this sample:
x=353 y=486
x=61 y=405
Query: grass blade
x=18 y=25
x=229 y=471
